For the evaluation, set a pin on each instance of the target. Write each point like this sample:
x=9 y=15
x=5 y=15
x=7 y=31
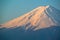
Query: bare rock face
x=40 y=17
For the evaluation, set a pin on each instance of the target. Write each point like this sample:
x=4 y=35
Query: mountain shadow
x=51 y=33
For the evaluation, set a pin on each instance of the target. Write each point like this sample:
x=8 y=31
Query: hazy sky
x=10 y=9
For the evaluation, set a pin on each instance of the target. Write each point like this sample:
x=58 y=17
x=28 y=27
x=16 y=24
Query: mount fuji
x=42 y=23
x=40 y=17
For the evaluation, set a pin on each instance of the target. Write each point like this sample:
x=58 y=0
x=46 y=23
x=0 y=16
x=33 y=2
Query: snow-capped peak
x=38 y=18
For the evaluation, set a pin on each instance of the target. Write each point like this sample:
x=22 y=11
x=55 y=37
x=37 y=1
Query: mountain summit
x=40 y=17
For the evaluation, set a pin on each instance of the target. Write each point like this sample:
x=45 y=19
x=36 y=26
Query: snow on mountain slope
x=41 y=17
